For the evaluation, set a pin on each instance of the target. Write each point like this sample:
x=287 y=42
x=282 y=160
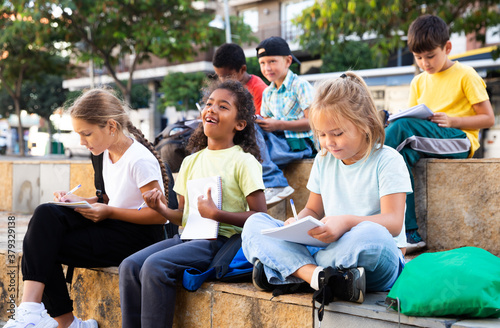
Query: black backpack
x=172 y=141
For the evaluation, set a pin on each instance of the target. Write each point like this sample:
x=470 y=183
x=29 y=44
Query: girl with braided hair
x=102 y=235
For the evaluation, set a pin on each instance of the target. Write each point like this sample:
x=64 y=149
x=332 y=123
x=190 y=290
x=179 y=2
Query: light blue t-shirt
x=356 y=189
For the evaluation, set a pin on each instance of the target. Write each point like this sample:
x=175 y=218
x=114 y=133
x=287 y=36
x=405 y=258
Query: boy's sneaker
x=346 y=284
x=31 y=319
x=277 y=194
x=78 y=323
x=413 y=241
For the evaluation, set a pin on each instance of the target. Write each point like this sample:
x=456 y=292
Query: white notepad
x=82 y=204
x=297 y=232
x=419 y=111
x=198 y=227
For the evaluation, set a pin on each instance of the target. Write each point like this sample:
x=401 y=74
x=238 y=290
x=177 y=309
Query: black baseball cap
x=275 y=46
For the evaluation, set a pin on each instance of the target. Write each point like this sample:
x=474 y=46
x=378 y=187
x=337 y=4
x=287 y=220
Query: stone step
x=374 y=313
x=216 y=304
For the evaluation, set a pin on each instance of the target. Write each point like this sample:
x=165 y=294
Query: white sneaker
x=78 y=323
x=277 y=194
x=29 y=319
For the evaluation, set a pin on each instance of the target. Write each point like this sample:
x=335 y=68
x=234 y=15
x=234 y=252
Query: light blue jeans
x=368 y=245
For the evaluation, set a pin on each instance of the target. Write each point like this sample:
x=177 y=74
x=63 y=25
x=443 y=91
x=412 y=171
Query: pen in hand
x=74 y=189
x=69 y=192
x=294 y=210
x=142 y=205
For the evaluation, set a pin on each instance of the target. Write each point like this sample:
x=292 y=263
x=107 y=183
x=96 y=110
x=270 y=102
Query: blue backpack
x=228 y=265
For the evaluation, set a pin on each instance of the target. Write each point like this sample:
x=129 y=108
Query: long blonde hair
x=348 y=98
x=98 y=106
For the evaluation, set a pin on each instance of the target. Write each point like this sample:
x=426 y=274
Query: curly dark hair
x=229 y=55
x=246 y=111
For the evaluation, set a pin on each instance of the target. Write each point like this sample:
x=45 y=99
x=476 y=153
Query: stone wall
x=25 y=184
x=457 y=201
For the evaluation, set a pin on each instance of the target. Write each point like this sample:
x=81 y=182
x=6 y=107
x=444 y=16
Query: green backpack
x=461 y=282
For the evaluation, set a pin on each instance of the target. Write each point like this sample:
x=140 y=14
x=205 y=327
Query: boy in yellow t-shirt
x=457 y=96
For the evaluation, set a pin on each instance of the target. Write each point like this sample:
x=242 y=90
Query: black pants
x=58 y=235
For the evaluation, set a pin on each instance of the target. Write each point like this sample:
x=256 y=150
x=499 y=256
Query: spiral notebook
x=198 y=227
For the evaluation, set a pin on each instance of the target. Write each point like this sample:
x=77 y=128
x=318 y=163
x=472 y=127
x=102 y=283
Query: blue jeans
x=368 y=245
x=275 y=152
x=148 y=279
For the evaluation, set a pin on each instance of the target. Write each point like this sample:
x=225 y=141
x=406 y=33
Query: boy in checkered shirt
x=285 y=104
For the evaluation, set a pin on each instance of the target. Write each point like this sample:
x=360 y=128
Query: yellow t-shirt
x=241 y=175
x=453 y=92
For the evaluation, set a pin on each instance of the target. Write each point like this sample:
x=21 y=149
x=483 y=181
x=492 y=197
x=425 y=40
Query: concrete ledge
x=95 y=295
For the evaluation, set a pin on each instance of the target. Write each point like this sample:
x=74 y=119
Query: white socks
x=32 y=306
x=75 y=323
x=314 y=279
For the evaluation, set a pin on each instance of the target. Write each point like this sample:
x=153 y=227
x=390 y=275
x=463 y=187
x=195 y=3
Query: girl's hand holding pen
x=63 y=196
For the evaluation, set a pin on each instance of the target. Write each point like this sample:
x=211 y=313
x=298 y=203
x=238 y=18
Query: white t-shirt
x=356 y=189
x=123 y=179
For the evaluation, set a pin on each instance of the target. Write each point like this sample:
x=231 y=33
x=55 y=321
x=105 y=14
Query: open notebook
x=297 y=232
x=198 y=227
x=419 y=111
x=82 y=204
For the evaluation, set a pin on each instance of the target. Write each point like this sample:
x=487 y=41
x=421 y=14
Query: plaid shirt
x=288 y=102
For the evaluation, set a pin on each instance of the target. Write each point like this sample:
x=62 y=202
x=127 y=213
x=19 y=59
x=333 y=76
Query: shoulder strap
x=99 y=186
x=98 y=179
x=225 y=255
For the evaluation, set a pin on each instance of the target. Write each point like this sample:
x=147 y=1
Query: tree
x=182 y=90
x=44 y=97
x=117 y=29
x=26 y=51
x=349 y=55
x=386 y=22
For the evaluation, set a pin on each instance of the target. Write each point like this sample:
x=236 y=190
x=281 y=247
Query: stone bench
x=457 y=201
x=216 y=304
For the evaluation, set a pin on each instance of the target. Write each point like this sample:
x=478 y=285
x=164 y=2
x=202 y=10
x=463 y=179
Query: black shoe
x=347 y=285
x=260 y=282
x=259 y=278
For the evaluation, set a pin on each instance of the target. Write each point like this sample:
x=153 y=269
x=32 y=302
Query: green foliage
x=139 y=97
x=37 y=97
x=27 y=50
x=182 y=90
x=386 y=22
x=253 y=67
x=43 y=97
x=114 y=30
x=349 y=55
